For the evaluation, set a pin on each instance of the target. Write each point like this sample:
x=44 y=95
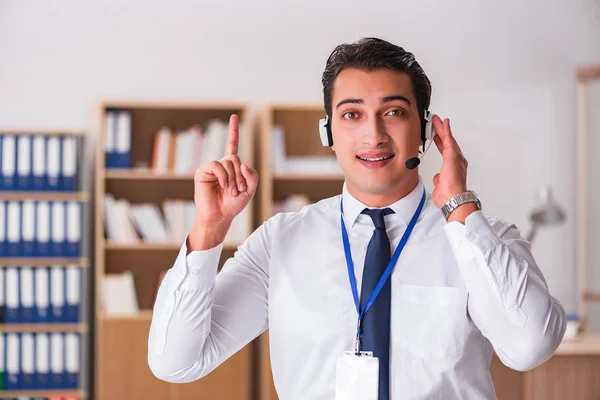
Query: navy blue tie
x=375 y=325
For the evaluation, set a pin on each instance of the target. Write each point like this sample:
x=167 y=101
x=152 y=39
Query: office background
x=503 y=72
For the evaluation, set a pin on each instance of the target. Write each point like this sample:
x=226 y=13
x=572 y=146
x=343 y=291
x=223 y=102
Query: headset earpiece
x=325 y=132
x=427 y=130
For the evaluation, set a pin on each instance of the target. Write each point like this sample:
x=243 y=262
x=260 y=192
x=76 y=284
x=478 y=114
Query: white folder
x=57 y=293
x=57 y=360
x=28 y=227
x=27 y=294
x=72 y=359
x=53 y=168
x=24 y=161
x=27 y=361
x=13 y=365
x=69 y=160
x=11 y=277
x=2 y=228
x=42 y=295
x=73 y=292
x=42 y=358
x=39 y=161
x=43 y=225
x=13 y=228
x=58 y=225
x=73 y=223
x=123 y=140
x=9 y=161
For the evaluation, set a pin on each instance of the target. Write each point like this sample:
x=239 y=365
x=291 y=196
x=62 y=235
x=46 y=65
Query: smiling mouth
x=373 y=159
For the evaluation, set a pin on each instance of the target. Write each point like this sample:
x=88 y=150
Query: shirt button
x=195 y=272
x=459 y=242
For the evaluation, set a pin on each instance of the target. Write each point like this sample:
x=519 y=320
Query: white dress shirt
x=459 y=292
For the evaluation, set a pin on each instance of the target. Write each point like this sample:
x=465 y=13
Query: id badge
x=357 y=376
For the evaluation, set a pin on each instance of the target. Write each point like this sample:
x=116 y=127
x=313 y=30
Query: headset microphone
x=412 y=163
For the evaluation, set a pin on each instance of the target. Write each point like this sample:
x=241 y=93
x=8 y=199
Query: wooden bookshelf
x=300 y=124
x=122 y=340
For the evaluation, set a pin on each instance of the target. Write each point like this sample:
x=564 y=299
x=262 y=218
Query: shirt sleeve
x=201 y=318
x=509 y=299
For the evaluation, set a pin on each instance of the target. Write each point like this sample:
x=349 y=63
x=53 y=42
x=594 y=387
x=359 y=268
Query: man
x=463 y=286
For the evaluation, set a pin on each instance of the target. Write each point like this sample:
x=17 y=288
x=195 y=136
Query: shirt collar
x=404 y=208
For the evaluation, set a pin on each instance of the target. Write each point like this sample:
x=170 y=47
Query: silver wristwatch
x=467 y=197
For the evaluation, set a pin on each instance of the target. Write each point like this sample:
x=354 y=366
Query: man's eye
x=395 y=112
x=350 y=115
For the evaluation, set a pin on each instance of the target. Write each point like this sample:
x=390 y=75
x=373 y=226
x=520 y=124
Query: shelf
x=41 y=195
x=590 y=296
x=6 y=394
x=144 y=174
x=40 y=132
x=308 y=177
x=142 y=246
x=143 y=315
x=44 y=327
x=42 y=262
x=585 y=344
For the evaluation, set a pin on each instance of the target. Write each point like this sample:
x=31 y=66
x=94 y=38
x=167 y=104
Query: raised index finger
x=234 y=136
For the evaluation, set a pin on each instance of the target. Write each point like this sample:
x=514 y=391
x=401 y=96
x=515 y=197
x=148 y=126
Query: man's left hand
x=452 y=178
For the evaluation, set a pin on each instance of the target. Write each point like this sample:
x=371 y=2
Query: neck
x=384 y=199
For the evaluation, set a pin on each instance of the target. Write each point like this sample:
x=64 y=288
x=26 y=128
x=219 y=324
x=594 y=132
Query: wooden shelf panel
x=591 y=296
x=585 y=344
x=151 y=191
x=48 y=196
x=144 y=174
x=7 y=394
x=314 y=189
x=43 y=327
x=43 y=262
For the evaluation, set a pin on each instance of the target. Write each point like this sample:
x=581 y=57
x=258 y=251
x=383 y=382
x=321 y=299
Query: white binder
x=27 y=295
x=9 y=161
x=28 y=228
x=13 y=228
x=53 y=168
x=72 y=358
x=73 y=228
x=57 y=293
x=69 y=162
x=13 y=365
x=43 y=229
x=27 y=361
x=3 y=250
x=57 y=361
x=42 y=295
x=58 y=228
x=42 y=360
x=73 y=293
x=23 y=162
x=39 y=162
x=11 y=313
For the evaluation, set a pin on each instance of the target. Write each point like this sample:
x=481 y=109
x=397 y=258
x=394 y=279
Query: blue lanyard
x=386 y=273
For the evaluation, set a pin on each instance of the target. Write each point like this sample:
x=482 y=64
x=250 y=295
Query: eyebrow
x=385 y=99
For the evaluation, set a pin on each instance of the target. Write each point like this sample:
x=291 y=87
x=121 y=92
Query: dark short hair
x=371 y=54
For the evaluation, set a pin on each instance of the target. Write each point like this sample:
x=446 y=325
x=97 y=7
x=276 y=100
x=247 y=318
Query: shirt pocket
x=431 y=323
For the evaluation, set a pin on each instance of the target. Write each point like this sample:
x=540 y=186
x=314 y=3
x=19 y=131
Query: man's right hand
x=222 y=189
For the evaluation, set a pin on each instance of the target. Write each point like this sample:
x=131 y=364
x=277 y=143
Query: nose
x=374 y=132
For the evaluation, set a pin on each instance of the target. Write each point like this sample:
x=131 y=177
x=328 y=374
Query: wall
x=503 y=72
